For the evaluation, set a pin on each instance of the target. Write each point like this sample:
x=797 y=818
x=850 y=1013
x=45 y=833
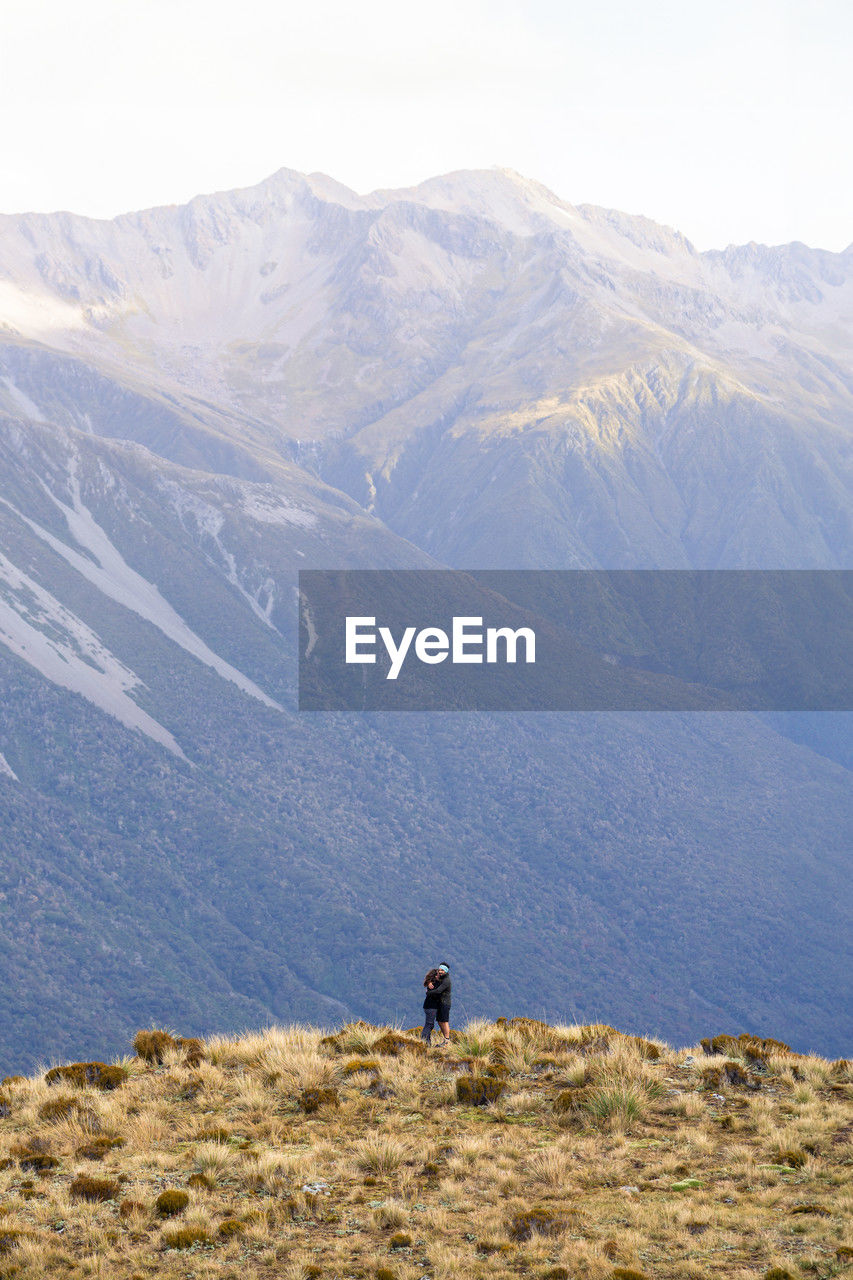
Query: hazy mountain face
x=198 y=401
x=501 y=377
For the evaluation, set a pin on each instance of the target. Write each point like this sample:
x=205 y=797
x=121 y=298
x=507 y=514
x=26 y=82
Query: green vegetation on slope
x=661 y=872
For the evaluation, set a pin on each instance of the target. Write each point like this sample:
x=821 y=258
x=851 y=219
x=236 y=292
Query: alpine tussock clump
x=522 y=1150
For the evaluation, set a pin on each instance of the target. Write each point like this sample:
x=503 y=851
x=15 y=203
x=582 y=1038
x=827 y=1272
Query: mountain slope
x=197 y=402
x=253 y=863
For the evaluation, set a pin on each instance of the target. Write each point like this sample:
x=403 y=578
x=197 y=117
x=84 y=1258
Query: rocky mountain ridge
x=475 y=325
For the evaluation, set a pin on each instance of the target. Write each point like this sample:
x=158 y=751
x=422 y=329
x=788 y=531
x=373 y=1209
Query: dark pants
x=430 y=1016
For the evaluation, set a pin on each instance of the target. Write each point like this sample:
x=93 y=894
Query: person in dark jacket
x=437 y=1003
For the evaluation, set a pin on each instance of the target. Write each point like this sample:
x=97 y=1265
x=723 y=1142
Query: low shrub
x=93 y=1189
x=627 y=1273
x=59 y=1108
x=192 y=1049
x=97 y=1148
x=713 y=1045
x=478 y=1091
x=152 y=1044
x=201 y=1180
x=751 y=1048
x=487 y=1248
x=171 y=1202
x=131 y=1208
x=99 y=1075
x=392 y=1044
x=649 y=1051
x=541 y=1220
x=311 y=1100
x=567 y=1101
x=734 y=1075
x=184 y=1237
x=34 y=1156
x=400 y=1240
x=795 y=1157
x=769 y=1045
x=594 y=1037
x=230 y=1227
x=359 y=1064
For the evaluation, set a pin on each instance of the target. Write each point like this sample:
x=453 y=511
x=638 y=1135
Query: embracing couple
x=437 y=1004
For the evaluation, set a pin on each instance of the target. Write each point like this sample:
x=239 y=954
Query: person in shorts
x=437 y=1004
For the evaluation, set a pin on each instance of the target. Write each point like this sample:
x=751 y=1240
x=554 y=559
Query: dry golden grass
x=602 y=1153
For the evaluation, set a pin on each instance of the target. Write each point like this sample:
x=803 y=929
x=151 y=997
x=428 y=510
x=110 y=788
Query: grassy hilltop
x=523 y=1150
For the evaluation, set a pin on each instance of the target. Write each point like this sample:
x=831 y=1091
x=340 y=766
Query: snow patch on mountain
x=6 y=770
x=112 y=575
x=208 y=521
x=269 y=508
x=21 y=402
x=36 y=627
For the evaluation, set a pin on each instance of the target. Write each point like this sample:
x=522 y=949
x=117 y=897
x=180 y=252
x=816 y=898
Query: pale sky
x=728 y=120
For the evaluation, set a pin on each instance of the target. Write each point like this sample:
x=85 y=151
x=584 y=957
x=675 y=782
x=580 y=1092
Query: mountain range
x=198 y=401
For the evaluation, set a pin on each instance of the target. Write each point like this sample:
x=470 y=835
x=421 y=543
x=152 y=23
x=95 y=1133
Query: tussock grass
x=213 y=1160
x=552 y=1166
x=476 y=1039
x=597 y=1152
x=380 y=1154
